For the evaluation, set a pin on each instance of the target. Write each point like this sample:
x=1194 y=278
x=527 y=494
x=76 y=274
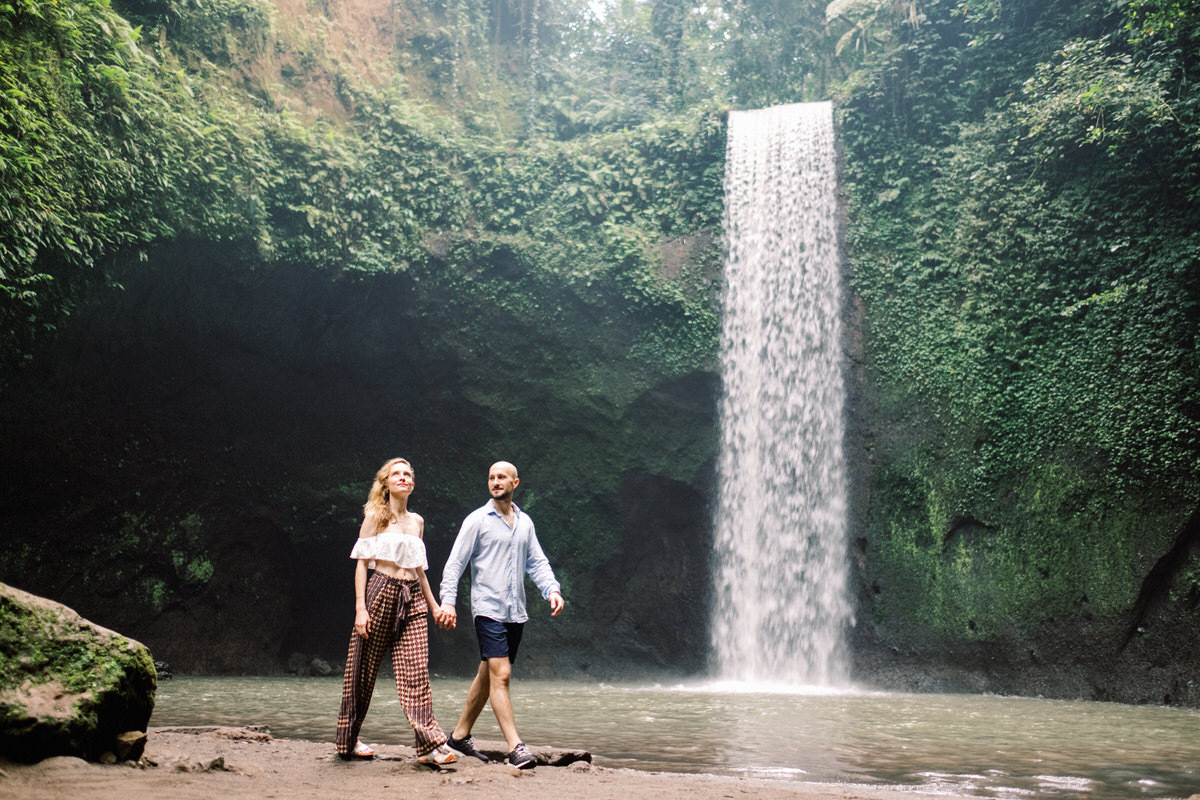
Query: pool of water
x=976 y=745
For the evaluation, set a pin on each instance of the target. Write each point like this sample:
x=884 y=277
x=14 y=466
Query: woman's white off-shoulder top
x=402 y=549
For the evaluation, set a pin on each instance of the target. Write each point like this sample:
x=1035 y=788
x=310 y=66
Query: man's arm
x=460 y=554
x=538 y=568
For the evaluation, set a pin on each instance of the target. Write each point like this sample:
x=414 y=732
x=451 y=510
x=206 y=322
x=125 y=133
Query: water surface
x=982 y=746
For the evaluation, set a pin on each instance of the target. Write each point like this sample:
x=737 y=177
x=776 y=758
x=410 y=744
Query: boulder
x=546 y=755
x=68 y=687
x=297 y=663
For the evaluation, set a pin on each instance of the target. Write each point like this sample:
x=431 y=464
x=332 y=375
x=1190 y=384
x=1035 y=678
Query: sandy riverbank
x=232 y=763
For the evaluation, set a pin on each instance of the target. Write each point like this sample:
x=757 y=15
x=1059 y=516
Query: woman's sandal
x=440 y=756
x=362 y=750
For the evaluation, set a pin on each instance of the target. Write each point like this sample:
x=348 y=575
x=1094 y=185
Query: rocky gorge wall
x=345 y=262
x=373 y=272
x=188 y=463
x=1021 y=254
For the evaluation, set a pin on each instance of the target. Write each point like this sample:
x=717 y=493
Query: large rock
x=67 y=686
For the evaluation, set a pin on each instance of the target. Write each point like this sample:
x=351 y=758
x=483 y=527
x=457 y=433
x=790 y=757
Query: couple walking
x=499 y=542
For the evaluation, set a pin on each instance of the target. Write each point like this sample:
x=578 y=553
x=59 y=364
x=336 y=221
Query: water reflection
x=990 y=747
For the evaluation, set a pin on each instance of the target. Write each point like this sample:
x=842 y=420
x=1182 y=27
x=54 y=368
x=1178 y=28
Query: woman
x=389 y=616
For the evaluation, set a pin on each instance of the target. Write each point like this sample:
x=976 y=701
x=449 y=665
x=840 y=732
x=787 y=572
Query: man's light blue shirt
x=500 y=557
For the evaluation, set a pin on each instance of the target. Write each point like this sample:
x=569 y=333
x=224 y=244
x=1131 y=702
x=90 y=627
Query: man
x=500 y=543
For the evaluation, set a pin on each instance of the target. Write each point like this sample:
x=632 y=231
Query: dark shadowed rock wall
x=187 y=463
x=185 y=458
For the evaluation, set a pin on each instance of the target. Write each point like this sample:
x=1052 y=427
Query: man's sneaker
x=465 y=746
x=521 y=757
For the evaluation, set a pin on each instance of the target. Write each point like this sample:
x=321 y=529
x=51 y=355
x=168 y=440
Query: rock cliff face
x=187 y=465
x=189 y=461
x=68 y=687
x=1132 y=638
x=190 y=454
x=186 y=460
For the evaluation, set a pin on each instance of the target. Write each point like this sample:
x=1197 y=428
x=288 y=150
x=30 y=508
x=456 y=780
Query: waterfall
x=780 y=604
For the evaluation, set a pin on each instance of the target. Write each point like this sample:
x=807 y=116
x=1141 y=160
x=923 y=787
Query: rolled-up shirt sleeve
x=500 y=557
x=537 y=566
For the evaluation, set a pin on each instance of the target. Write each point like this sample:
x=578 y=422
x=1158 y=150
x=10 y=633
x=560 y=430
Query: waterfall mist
x=780 y=601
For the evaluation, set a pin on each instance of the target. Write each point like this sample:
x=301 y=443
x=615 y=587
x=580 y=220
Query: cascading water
x=780 y=554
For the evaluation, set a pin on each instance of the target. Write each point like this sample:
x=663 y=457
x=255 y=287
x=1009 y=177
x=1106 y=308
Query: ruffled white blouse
x=402 y=549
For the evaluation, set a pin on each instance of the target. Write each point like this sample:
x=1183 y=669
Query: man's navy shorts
x=498 y=639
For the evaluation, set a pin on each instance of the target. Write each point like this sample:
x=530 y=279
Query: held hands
x=445 y=617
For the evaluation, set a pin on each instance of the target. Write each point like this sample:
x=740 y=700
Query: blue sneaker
x=465 y=746
x=521 y=757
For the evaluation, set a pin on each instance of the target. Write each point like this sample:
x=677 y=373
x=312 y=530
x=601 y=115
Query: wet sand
x=232 y=763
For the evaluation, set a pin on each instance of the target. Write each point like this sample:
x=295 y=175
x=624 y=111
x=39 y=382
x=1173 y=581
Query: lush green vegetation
x=429 y=172
x=104 y=147
x=1023 y=184
x=115 y=137
x=1025 y=233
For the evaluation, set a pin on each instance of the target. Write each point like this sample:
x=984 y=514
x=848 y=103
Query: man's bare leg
x=477 y=697
x=499 y=672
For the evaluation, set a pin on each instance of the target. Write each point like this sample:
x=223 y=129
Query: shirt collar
x=491 y=507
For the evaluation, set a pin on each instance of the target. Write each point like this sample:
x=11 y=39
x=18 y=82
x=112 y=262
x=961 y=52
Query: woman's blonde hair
x=376 y=506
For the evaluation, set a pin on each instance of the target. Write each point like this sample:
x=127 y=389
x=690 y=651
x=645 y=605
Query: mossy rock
x=67 y=686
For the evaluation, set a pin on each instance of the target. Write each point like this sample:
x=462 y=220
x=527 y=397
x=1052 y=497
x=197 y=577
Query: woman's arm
x=362 y=622
x=426 y=590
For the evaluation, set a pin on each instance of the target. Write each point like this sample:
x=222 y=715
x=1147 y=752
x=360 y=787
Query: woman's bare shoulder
x=369 y=528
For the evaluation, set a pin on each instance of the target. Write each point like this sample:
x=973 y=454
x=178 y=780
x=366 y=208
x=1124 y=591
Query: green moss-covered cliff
x=253 y=249
x=1023 y=237
x=294 y=242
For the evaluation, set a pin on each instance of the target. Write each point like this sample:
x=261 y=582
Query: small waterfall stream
x=780 y=607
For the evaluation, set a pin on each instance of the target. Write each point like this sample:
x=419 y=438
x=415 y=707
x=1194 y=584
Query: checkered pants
x=397 y=612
